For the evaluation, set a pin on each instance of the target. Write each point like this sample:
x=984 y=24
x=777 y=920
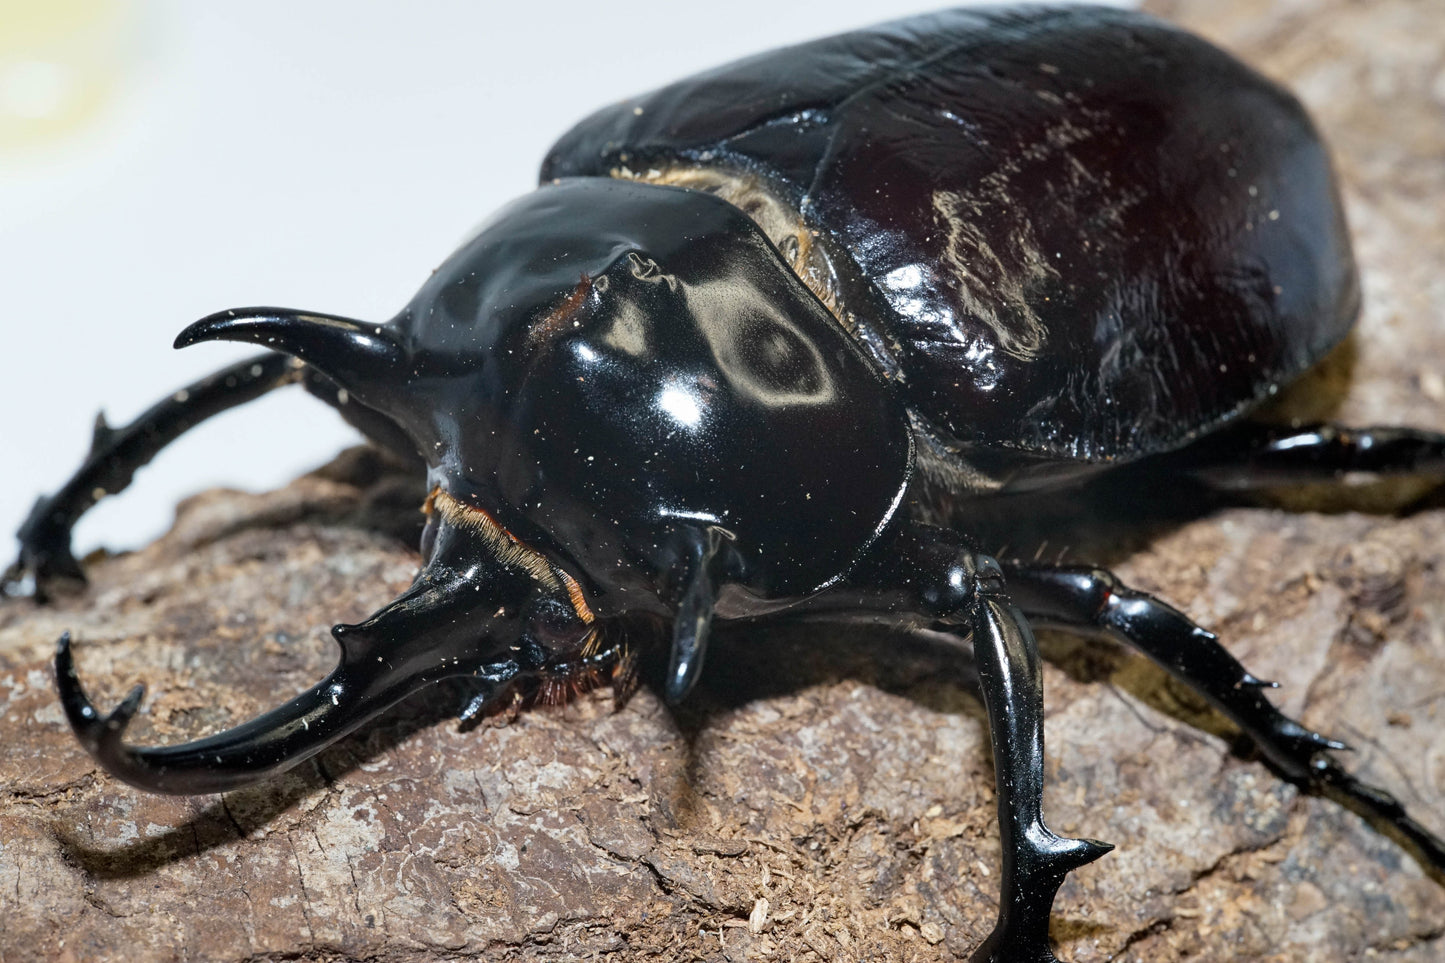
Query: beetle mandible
x=768 y=342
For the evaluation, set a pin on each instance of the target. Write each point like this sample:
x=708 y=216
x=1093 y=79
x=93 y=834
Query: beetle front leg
x=115 y=455
x=930 y=573
x=1035 y=859
x=1094 y=602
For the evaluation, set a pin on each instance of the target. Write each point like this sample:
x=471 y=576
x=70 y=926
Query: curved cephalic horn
x=363 y=358
x=262 y=747
x=464 y=615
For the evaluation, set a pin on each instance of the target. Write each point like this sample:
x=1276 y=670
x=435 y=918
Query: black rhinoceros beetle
x=765 y=341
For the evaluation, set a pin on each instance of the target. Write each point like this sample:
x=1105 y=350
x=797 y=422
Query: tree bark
x=822 y=797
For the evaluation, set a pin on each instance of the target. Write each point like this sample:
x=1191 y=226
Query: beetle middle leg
x=1253 y=455
x=1093 y=601
x=930 y=574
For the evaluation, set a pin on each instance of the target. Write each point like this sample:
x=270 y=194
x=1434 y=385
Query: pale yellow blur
x=61 y=63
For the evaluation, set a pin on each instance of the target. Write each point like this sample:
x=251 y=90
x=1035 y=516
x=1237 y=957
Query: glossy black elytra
x=774 y=335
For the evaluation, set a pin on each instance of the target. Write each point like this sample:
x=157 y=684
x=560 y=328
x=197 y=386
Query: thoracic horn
x=365 y=359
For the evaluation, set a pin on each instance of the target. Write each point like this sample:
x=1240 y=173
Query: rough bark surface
x=821 y=798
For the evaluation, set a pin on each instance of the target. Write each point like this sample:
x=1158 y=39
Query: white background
x=322 y=155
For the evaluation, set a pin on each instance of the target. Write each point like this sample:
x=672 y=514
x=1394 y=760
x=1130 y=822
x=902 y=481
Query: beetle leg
x=1035 y=859
x=1094 y=601
x=116 y=453
x=929 y=573
x=1252 y=455
x=693 y=624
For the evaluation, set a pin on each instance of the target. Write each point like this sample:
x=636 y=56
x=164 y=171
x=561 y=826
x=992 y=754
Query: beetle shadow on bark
x=779 y=660
x=761 y=662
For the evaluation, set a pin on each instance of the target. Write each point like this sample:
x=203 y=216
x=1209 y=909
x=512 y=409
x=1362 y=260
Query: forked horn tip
x=100 y=734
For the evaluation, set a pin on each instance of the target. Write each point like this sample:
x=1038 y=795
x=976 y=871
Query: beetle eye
x=429 y=536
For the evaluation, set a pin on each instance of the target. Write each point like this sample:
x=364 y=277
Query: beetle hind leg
x=1094 y=602
x=115 y=455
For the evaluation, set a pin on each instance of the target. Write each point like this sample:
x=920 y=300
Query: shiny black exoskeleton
x=766 y=339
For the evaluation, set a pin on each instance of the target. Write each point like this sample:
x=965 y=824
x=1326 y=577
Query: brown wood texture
x=822 y=798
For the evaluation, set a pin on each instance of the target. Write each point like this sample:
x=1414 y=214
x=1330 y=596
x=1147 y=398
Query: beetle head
x=615 y=387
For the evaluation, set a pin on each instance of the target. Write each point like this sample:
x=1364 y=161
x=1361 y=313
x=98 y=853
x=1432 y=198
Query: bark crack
x=305 y=902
